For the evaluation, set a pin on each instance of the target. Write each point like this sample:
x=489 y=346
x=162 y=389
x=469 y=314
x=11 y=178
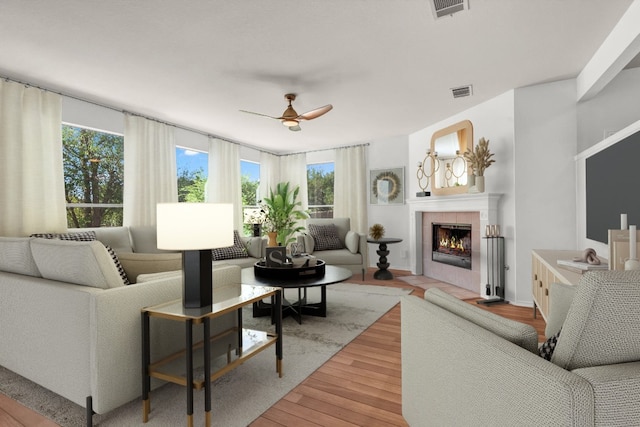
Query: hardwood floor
x=359 y=386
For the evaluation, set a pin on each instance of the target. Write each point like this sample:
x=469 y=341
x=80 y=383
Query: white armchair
x=353 y=249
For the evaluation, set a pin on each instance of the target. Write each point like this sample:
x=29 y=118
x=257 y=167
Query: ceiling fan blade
x=260 y=114
x=295 y=128
x=310 y=115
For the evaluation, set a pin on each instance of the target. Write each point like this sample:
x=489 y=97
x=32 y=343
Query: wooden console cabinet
x=544 y=271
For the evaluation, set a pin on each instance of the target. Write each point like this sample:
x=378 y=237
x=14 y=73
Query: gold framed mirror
x=450 y=170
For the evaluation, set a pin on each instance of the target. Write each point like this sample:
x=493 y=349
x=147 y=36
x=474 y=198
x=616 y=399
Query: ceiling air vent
x=462 y=91
x=442 y=8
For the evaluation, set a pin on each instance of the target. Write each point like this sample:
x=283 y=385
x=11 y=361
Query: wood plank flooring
x=359 y=386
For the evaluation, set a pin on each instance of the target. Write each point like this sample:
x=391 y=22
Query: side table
x=383 y=265
x=172 y=367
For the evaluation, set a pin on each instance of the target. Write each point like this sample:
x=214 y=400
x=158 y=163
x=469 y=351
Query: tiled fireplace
x=458 y=221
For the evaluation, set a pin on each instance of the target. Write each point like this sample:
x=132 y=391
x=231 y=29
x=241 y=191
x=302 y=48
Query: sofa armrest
x=617 y=392
x=457 y=373
x=363 y=248
x=518 y=333
x=116 y=334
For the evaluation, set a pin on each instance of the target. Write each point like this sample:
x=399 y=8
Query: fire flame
x=452 y=243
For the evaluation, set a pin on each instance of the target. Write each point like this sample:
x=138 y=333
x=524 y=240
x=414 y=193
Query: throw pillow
x=86 y=236
x=118 y=265
x=351 y=241
x=237 y=250
x=80 y=236
x=547 y=347
x=325 y=237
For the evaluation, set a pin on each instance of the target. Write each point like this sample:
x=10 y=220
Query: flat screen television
x=613 y=187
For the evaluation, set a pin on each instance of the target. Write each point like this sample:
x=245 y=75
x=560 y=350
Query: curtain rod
x=10 y=79
x=364 y=144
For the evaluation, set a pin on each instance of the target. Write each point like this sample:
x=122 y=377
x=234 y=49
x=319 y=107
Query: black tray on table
x=288 y=272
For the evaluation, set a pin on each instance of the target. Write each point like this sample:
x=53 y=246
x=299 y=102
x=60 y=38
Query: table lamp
x=195 y=229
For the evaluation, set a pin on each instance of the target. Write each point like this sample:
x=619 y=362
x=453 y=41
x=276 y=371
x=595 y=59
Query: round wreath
x=393 y=179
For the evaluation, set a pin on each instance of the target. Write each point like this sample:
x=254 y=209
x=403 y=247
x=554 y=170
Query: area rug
x=243 y=394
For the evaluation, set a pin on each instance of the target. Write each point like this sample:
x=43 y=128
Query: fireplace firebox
x=452 y=244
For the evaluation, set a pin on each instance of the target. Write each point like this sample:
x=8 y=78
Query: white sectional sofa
x=137 y=249
x=464 y=366
x=69 y=324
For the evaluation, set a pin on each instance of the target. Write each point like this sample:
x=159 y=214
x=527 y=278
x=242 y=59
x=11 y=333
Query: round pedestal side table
x=383 y=265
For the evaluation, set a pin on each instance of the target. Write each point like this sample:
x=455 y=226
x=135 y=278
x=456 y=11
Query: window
x=193 y=168
x=320 y=188
x=250 y=182
x=93 y=177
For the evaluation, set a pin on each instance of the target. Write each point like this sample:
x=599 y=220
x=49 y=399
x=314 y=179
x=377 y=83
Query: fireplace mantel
x=484 y=203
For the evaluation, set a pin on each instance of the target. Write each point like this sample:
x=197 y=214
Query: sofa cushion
x=325 y=237
x=560 y=297
x=601 y=327
x=81 y=263
x=87 y=236
x=518 y=333
x=15 y=256
x=116 y=237
x=352 y=241
x=237 y=250
x=135 y=264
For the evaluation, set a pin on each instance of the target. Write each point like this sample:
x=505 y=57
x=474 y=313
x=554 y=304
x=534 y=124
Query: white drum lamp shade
x=195 y=229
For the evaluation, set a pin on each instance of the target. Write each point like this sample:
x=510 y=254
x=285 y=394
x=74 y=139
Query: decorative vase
x=257 y=230
x=471 y=182
x=480 y=184
x=272 y=238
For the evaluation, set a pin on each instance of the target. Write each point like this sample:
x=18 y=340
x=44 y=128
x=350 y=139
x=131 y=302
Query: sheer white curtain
x=150 y=170
x=350 y=184
x=293 y=168
x=223 y=184
x=32 y=198
x=269 y=173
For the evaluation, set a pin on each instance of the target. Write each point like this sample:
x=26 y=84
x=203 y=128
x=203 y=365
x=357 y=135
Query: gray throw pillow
x=325 y=237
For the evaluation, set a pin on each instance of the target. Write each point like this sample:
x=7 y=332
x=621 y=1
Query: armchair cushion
x=352 y=241
x=253 y=246
x=325 y=237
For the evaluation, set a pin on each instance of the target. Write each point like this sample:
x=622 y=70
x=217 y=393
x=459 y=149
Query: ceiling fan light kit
x=290 y=118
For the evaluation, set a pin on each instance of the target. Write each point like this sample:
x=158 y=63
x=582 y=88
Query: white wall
x=544 y=175
x=494 y=121
x=382 y=154
x=615 y=108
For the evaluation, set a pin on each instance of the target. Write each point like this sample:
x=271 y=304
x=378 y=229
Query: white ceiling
x=387 y=66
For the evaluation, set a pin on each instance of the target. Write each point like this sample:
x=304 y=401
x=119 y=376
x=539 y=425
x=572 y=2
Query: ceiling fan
x=291 y=118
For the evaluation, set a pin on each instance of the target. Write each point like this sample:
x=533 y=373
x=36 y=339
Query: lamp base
x=198 y=279
x=631 y=264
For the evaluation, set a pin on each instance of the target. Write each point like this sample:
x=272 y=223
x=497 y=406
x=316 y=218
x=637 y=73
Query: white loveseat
x=69 y=324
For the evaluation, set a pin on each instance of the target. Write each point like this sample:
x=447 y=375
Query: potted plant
x=479 y=159
x=282 y=213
